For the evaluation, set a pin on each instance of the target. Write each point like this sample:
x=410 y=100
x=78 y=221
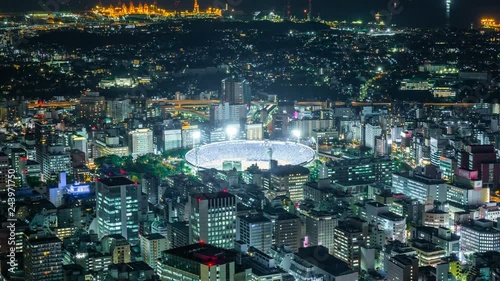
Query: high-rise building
x=150 y=185
x=118 y=247
x=349 y=236
x=402 y=268
x=320 y=227
x=80 y=143
x=141 y=142
x=290 y=179
x=92 y=108
x=43 y=259
x=479 y=236
x=213 y=219
x=371 y=132
x=55 y=160
x=254 y=131
x=45 y=136
x=236 y=91
x=197 y=262
x=118 y=207
x=286 y=229
x=118 y=109
x=474 y=155
x=191 y=137
x=151 y=247
x=362 y=171
x=172 y=139
x=226 y=112
x=420 y=186
x=256 y=231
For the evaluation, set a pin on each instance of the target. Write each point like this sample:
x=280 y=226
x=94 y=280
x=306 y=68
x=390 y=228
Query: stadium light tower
x=196 y=144
x=296 y=133
x=231 y=132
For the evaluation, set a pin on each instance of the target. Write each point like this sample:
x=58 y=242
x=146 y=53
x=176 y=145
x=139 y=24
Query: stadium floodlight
x=196 y=135
x=231 y=131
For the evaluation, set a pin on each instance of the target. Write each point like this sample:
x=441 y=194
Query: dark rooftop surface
x=254 y=218
x=203 y=254
x=289 y=170
x=320 y=257
x=208 y=196
x=116 y=181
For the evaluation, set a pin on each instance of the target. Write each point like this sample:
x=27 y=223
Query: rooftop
x=203 y=254
x=289 y=170
x=318 y=255
x=116 y=181
x=209 y=196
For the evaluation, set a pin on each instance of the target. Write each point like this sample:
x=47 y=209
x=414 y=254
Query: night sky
x=419 y=13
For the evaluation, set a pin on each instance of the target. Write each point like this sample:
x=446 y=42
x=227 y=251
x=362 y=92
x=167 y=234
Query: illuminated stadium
x=242 y=154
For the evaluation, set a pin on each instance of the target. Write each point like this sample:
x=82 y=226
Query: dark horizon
x=414 y=13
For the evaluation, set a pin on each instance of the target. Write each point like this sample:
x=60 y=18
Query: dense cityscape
x=142 y=141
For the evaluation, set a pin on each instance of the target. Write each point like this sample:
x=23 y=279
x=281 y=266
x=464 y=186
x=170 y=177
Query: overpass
x=189 y=104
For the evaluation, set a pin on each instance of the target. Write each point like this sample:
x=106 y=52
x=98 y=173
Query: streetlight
x=231 y=131
x=196 y=141
x=296 y=133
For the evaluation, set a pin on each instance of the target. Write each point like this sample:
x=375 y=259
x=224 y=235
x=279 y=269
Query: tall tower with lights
x=309 y=12
x=448 y=12
x=196 y=7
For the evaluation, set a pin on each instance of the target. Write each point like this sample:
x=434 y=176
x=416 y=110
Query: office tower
x=213 y=219
x=191 y=137
x=286 y=228
x=402 y=268
x=306 y=127
x=225 y=112
x=150 y=185
x=151 y=247
x=479 y=236
x=197 y=262
x=55 y=160
x=474 y=155
x=43 y=259
x=45 y=136
x=254 y=131
x=79 y=142
x=290 y=179
x=140 y=142
x=236 y=91
x=256 y=231
x=118 y=247
x=17 y=156
x=320 y=227
x=362 y=170
x=92 y=108
x=118 y=109
x=420 y=186
x=118 y=207
x=109 y=146
x=177 y=234
x=4 y=171
x=437 y=146
x=172 y=139
x=371 y=132
x=349 y=236
x=279 y=125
